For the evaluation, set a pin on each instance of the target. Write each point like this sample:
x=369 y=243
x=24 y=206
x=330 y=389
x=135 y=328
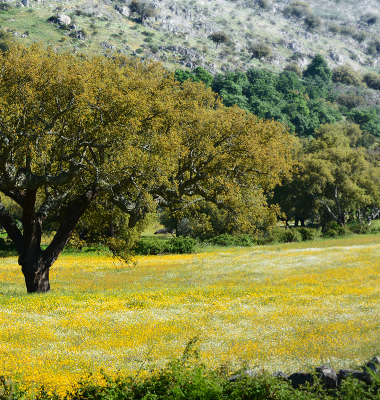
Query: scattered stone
x=245 y=374
x=374 y=364
x=280 y=375
x=302 y=378
x=25 y=3
x=328 y=376
x=122 y=10
x=361 y=376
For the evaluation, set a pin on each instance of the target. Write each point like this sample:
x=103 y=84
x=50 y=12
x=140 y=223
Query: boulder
x=302 y=378
x=328 y=376
x=63 y=19
x=374 y=364
x=122 y=10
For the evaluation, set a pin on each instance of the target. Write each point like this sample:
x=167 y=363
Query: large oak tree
x=75 y=131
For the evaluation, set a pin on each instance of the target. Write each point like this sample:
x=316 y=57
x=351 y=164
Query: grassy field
x=281 y=307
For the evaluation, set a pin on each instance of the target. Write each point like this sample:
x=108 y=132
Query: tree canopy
x=80 y=134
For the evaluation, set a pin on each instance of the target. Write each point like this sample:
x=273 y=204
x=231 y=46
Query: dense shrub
x=180 y=245
x=360 y=37
x=228 y=240
x=334 y=28
x=293 y=67
x=370 y=18
x=372 y=80
x=313 y=21
x=350 y=100
x=291 y=235
x=347 y=75
x=261 y=50
x=309 y=233
x=297 y=9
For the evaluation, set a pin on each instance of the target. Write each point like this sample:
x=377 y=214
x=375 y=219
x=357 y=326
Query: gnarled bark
x=35 y=263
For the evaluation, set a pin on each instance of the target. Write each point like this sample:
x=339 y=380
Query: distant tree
x=294 y=67
x=374 y=46
x=360 y=37
x=260 y=50
x=318 y=67
x=334 y=28
x=297 y=9
x=230 y=87
x=201 y=75
x=264 y=4
x=372 y=80
x=347 y=75
x=183 y=75
x=370 y=18
x=289 y=81
x=312 y=21
x=198 y=74
x=348 y=30
x=143 y=8
x=340 y=178
x=219 y=38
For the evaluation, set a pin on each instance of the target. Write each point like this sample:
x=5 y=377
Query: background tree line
x=337 y=179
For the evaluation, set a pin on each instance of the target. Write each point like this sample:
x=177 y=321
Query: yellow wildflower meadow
x=276 y=307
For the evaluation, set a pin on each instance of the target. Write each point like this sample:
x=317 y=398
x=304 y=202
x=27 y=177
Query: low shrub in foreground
x=189 y=379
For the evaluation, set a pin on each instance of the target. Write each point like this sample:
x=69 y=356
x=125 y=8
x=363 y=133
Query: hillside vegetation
x=180 y=32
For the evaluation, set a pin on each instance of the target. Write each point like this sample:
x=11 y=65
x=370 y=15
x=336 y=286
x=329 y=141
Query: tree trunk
x=36 y=274
x=35 y=263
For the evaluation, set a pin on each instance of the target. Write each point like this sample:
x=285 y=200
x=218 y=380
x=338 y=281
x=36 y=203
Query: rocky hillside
x=269 y=33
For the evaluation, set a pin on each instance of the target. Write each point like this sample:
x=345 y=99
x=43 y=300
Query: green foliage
x=360 y=37
x=178 y=245
x=318 y=67
x=370 y=18
x=293 y=67
x=374 y=46
x=7 y=245
x=313 y=21
x=228 y=240
x=367 y=118
x=282 y=235
x=219 y=38
x=261 y=50
x=297 y=9
x=309 y=233
x=198 y=74
x=143 y=9
x=264 y=4
x=347 y=75
x=5 y=7
x=372 y=80
x=350 y=100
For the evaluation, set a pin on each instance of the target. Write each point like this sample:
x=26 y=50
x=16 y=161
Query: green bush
x=261 y=50
x=180 y=245
x=6 y=245
x=228 y=240
x=309 y=233
x=291 y=235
